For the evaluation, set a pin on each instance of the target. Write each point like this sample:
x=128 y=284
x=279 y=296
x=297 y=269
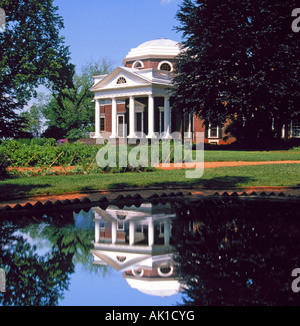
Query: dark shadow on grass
x=9 y=191
x=218 y=182
x=124 y=185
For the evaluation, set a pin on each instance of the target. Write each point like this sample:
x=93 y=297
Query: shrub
x=21 y=153
x=4 y=163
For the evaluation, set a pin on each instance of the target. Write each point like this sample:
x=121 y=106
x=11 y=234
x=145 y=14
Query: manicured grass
x=250 y=156
x=242 y=176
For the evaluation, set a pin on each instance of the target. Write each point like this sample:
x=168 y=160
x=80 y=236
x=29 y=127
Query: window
x=296 y=128
x=120 y=226
x=214 y=131
x=121 y=217
x=138 y=64
x=121 y=259
x=121 y=81
x=102 y=225
x=102 y=124
x=138 y=272
x=165 y=66
x=165 y=271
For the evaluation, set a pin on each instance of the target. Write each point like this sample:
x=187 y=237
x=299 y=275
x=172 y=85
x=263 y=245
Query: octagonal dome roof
x=160 y=48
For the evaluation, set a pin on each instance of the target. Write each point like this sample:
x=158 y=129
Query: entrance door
x=139 y=128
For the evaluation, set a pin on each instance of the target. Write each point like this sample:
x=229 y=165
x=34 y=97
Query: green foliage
x=4 y=163
x=235 y=65
x=43 y=155
x=20 y=154
x=32 y=54
x=70 y=112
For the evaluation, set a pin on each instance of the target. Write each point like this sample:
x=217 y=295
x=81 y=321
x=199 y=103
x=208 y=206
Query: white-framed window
x=102 y=124
x=138 y=272
x=295 y=128
x=165 y=271
x=213 y=131
x=165 y=66
x=121 y=81
x=101 y=225
x=138 y=64
x=120 y=226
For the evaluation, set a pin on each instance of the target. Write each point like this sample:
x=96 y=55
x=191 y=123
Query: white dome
x=159 y=288
x=161 y=42
x=161 y=48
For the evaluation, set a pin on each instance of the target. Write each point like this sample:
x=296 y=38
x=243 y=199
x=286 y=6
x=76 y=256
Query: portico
x=138 y=115
x=143 y=102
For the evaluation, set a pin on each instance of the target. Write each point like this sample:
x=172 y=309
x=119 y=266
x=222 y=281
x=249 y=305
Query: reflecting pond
x=203 y=252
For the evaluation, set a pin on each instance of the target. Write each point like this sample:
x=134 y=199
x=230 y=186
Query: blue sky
x=96 y=29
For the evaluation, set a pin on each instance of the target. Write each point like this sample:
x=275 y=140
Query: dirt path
x=211 y=165
x=169 y=166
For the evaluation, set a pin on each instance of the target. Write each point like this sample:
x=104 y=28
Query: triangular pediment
x=121 y=78
x=119 y=260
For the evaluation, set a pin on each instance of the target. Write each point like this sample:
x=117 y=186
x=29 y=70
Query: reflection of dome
x=160 y=48
x=159 y=288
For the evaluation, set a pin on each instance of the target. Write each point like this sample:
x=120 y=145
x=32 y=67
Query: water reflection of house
x=137 y=242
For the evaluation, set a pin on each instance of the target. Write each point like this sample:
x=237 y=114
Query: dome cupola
x=159 y=54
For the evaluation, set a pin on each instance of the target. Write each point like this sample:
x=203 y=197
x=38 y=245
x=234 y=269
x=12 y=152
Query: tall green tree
x=32 y=53
x=70 y=112
x=34 y=118
x=241 y=61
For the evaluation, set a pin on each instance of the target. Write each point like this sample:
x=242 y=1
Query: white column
x=167 y=231
x=190 y=125
x=151 y=117
x=114 y=118
x=166 y=133
x=131 y=118
x=114 y=232
x=131 y=233
x=97 y=231
x=97 y=119
x=150 y=233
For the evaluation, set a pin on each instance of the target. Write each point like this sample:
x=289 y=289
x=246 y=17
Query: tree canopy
x=70 y=113
x=32 y=53
x=241 y=61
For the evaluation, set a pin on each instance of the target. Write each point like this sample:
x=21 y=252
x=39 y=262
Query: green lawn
x=248 y=156
x=264 y=175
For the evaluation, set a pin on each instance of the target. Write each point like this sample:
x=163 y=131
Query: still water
x=213 y=252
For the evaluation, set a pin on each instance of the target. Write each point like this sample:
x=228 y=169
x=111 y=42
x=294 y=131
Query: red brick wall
x=199 y=127
x=106 y=111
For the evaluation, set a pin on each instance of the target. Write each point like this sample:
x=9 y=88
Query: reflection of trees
x=35 y=278
x=238 y=254
x=32 y=279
